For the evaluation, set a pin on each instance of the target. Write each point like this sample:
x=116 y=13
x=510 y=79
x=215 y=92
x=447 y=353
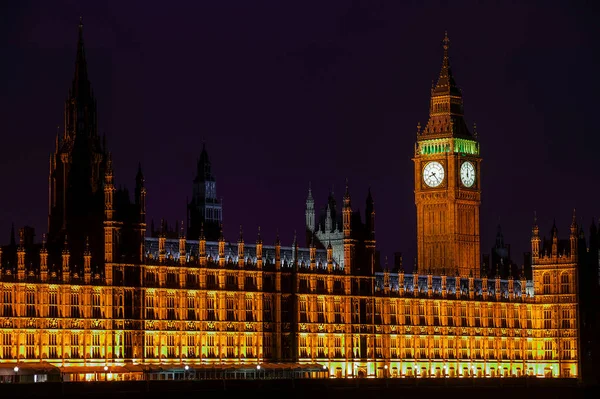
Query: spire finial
x=241 y=234
x=202 y=230
x=259 y=234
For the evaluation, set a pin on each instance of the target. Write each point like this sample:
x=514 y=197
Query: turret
x=109 y=191
x=277 y=252
x=43 y=260
x=497 y=290
x=21 y=255
x=182 y=254
x=444 y=283
x=259 y=250
x=457 y=284
x=241 y=248
x=523 y=283
x=221 y=247
x=554 y=235
x=310 y=214
x=202 y=246
x=386 y=279
x=347 y=215
x=140 y=194
x=66 y=255
x=87 y=262
x=313 y=255
x=162 y=240
x=140 y=198
x=573 y=237
x=535 y=240
x=329 y=258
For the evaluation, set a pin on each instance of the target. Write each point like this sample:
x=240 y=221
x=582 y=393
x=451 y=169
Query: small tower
x=221 y=247
x=277 y=252
x=182 y=254
x=310 y=216
x=313 y=255
x=347 y=215
x=140 y=199
x=162 y=240
x=202 y=246
x=259 y=250
x=109 y=227
x=535 y=239
x=21 y=255
x=329 y=258
x=554 y=234
x=241 y=249
x=66 y=255
x=573 y=237
x=43 y=260
x=87 y=262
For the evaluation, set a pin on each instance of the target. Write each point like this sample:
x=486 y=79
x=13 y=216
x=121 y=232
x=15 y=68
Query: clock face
x=467 y=174
x=433 y=174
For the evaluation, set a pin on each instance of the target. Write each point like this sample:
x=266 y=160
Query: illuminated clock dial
x=467 y=174
x=433 y=174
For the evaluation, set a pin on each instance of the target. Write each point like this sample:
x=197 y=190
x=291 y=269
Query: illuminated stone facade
x=182 y=301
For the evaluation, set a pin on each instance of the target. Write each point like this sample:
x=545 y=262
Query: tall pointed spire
x=446 y=84
x=80 y=80
x=446 y=106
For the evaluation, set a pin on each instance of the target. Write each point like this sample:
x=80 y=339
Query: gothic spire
x=80 y=80
x=446 y=105
x=446 y=84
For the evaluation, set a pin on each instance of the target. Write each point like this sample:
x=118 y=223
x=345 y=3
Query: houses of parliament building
x=102 y=293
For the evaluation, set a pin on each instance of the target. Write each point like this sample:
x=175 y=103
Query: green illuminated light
x=440 y=146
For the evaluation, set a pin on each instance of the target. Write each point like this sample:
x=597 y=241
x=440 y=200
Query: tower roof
x=204 y=167
x=81 y=83
x=446 y=84
x=446 y=105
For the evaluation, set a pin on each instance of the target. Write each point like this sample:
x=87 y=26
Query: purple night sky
x=290 y=92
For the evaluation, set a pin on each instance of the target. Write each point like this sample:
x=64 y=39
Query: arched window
x=565 y=283
x=546 y=283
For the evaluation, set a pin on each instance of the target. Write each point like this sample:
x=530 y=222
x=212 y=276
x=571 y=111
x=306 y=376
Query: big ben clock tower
x=447 y=183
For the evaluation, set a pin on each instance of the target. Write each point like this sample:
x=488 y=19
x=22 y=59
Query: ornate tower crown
x=446 y=104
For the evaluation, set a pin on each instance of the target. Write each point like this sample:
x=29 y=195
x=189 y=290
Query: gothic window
x=546 y=283
x=566 y=318
x=96 y=346
x=191 y=302
x=566 y=349
x=75 y=305
x=211 y=347
x=249 y=308
x=30 y=345
x=96 y=309
x=149 y=305
x=393 y=311
x=149 y=341
x=547 y=318
x=191 y=346
x=53 y=304
x=564 y=283
x=74 y=346
x=230 y=304
x=548 y=350
x=171 y=346
x=52 y=346
x=230 y=342
x=171 y=306
x=249 y=346
x=7 y=304
x=210 y=307
x=7 y=344
x=30 y=297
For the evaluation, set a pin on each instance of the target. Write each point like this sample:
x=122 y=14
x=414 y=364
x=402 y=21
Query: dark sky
x=287 y=92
